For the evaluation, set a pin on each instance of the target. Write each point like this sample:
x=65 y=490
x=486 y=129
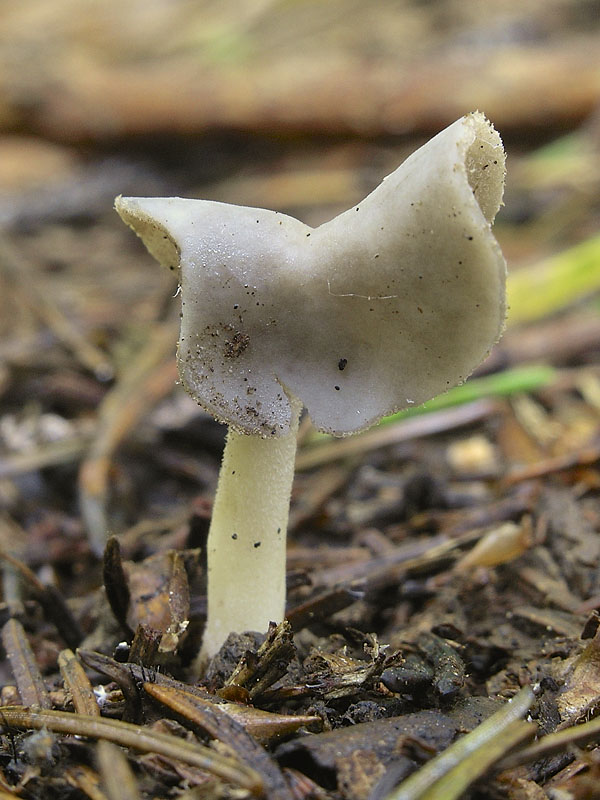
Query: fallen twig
x=117 y=776
x=147 y=379
x=137 y=738
x=78 y=684
x=28 y=677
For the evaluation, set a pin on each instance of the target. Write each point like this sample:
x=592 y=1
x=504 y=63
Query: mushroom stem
x=247 y=537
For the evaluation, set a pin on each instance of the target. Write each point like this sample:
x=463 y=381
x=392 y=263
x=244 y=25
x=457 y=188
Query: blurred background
x=296 y=105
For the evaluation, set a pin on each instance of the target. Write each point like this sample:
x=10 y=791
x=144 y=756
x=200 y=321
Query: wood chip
x=78 y=684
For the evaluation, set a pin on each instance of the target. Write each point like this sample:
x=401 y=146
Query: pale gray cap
x=387 y=305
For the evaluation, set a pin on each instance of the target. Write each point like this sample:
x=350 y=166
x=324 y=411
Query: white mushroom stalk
x=387 y=305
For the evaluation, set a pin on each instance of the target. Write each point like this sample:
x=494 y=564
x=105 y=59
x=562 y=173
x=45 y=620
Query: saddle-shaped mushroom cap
x=385 y=306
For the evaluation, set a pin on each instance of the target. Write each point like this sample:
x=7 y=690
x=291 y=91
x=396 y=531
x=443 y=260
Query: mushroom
x=387 y=305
